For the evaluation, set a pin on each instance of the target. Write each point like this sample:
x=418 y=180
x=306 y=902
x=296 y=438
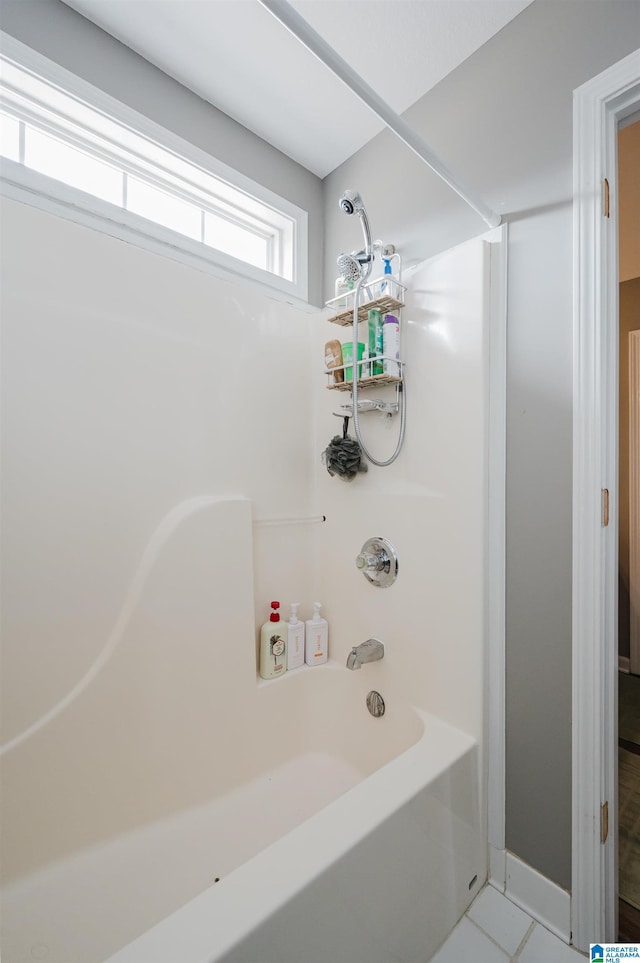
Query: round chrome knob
x=372 y=563
x=378 y=562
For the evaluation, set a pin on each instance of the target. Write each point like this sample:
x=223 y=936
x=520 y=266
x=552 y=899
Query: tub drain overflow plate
x=375 y=704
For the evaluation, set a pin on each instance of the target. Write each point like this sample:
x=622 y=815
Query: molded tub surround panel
x=132 y=387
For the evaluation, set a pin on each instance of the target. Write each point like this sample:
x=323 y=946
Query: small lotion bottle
x=317 y=638
x=273 y=645
x=295 y=639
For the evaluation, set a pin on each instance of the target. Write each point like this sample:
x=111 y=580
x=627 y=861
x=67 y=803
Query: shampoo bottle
x=391 y=345
x=317 y=638
x=295 y=639
x=273 y=645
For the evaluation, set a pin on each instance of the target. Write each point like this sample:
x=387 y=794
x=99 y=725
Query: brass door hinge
x=605 y=507
x=606 y=198
x=604 y=822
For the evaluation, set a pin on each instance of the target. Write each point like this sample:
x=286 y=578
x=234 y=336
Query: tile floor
x=495 y=930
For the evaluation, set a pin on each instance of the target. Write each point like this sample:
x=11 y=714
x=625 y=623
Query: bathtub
x=357 y=839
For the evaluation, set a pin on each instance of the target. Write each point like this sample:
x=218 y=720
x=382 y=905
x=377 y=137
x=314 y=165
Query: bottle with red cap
x=273 y=645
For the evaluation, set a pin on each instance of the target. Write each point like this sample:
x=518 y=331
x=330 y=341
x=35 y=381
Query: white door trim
x=599 y=105
x=496 y=569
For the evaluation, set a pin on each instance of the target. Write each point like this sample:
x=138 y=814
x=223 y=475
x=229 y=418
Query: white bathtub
x=365 y=845
x=379 y=874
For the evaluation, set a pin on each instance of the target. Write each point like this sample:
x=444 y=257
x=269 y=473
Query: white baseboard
x=624 y=664
x=545 y=901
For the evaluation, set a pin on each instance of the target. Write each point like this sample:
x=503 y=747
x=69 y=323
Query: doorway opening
x=600 y=106
x=628 y=209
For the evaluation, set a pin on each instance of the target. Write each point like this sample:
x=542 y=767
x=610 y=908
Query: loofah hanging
x=343 y=456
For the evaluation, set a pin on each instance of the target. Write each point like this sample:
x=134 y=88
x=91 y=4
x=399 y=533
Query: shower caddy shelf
x=386 y=304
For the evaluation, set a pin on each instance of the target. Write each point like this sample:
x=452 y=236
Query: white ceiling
x=235 y=55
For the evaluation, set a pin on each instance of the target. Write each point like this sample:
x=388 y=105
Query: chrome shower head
x=349 y=268
x=351 y=203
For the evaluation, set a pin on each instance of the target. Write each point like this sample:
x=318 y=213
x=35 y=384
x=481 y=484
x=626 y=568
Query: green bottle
x=375 y=340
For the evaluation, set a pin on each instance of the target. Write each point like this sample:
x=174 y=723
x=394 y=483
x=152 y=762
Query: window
x=67 y=163
x=63 y=140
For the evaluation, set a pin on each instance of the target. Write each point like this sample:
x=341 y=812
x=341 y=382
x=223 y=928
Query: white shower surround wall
x=125 y=394
x=432 y=503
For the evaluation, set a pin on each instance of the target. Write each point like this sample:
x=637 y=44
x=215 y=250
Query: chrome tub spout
x=370 y=651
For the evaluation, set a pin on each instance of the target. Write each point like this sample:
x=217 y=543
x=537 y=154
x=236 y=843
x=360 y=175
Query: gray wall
x=503 y=122
x=60 y=33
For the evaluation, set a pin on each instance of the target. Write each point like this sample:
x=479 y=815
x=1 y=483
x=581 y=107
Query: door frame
x=599 y=106
x=634 y=499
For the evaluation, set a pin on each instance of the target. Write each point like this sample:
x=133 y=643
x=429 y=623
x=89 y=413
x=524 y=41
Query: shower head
x=351 y=203
x=349 y=268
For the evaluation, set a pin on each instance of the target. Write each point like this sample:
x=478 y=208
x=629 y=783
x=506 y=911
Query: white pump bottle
x=295 y=640
x=317 y=638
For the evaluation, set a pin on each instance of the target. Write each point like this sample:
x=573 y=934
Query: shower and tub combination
x=173 y=806
x=388 y=845
x=337 y=813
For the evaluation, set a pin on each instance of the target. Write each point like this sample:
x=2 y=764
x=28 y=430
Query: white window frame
x=187 y=174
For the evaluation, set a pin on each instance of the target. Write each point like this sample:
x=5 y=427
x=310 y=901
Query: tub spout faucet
x=370 y=651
